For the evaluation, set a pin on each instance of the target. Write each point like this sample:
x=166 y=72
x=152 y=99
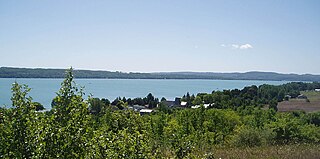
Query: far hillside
x=10 y=72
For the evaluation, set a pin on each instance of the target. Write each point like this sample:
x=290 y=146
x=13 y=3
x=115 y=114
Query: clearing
x=302 y=104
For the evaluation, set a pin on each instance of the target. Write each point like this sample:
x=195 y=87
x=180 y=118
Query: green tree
x=273 y=104
x=121 y=105
x=197 y=101
x=23 y=124
x=38 y=106
x=69 y=122
x=96 y=105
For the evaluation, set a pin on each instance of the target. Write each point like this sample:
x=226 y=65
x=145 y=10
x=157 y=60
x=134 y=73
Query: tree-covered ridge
x=9 y=72
x=71 y=130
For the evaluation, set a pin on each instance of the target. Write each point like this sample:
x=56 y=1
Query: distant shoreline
x=149 y=79
x=10 y=72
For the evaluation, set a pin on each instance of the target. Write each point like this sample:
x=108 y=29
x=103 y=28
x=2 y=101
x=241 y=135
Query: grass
x=299 y=151
x=302 y=104
x=313 y=96
x=290 y=151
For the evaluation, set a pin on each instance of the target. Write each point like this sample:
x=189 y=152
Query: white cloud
x=238 y=46
x=235 y=46
x=246 y=46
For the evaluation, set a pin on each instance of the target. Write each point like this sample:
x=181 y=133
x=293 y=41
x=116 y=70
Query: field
x=290 y=151
x=300 y=151
x=302 y=104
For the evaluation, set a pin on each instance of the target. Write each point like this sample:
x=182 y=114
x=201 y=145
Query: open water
x=44 y=90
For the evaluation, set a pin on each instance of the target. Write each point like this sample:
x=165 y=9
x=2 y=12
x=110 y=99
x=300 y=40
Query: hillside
x=10 y=72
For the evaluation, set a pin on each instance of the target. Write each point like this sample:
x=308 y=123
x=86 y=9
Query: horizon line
x=179 y=71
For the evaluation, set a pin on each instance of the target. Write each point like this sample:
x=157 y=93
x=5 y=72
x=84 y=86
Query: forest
x=11 y=72
x=238 y=123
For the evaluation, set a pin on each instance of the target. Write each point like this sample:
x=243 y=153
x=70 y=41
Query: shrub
x=250 y=137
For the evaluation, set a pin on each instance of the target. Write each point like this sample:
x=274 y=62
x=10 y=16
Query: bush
x=314 y=118
x=250 y=137
x=273 y=104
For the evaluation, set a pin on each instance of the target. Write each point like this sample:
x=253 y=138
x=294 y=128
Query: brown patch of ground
x=298 y=104
x=302 y=104
x=303 y=151
x=290 y=151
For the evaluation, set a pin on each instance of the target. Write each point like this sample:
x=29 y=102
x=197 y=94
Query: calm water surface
x=43 y=90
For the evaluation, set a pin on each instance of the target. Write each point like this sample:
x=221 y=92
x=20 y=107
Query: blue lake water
x=43 y=90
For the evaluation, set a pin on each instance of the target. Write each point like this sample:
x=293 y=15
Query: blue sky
x=152 y=36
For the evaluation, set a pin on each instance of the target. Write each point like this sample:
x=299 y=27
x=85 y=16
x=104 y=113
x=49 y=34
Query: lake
x=43 y=90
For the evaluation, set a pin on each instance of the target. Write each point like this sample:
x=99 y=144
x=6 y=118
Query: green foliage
x=273 y=104
x=69 y=122
x=220 y=125
x=197 y=101
x=314 y=118
x=121 y=105
x=38 y=106
x=164 y=108
x=92 y=128
x=287 y=128
x=19 y=131
x=251 y=136
x=96 y=106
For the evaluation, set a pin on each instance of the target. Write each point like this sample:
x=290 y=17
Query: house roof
x=302 y=96
x=204 y=105
x=169 y=103
x=183 y=103
x=146 y=110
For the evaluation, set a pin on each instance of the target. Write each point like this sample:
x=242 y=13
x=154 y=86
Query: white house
x=145 y=111
x=204 y=105
x=183 y=104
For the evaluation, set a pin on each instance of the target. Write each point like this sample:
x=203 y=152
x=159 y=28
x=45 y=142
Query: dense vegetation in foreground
x=10 y=72
x=232 y=129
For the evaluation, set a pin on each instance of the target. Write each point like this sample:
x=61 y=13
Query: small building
x=195 y=106
x=176 y=102
x=287 y=97
x=204 y=105
x=169 y=103
x=207 y=105
x=145 y=111
x=137 y=108
x=184 y=104
x=301 y=96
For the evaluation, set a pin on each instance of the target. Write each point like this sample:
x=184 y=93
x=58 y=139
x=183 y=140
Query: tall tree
x=69 y=121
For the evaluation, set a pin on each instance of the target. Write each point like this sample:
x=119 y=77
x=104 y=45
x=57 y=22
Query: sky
x=162 y=36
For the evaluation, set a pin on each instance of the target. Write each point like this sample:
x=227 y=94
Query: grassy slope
x=302 y=104
x=291 y=151
x=313 y=96
x=284 y=151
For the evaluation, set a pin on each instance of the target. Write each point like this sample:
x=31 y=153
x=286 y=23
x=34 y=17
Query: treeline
x=250 y=96
x=235 y=99
x=97 y=105
x=9 y=72
x=69 y=130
